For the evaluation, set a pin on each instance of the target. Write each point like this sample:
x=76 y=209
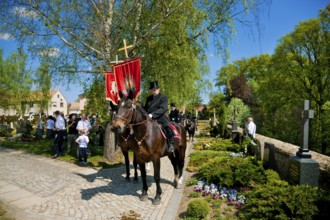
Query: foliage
x=194 y=194
x=230 y=172
x=198 y=208
x=200 y=158
x=274 y=86
x=239 y=109
x=217 y=104
x=286 y=202
x=84 y=37
x=15 y=81
x=225 y=145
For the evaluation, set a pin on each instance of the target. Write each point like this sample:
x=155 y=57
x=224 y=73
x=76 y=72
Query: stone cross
x=304 y=132
x=125 y=48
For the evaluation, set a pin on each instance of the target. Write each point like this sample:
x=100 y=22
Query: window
x=61 y=104
x=58 y=96
x=54 y=105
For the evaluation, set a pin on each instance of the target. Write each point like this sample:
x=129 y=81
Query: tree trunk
x=111 y=152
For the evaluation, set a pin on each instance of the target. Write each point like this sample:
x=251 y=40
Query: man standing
x=60 y=132
x=250 y=129
x=84 y=124
x=72 y=133
x=156 y=106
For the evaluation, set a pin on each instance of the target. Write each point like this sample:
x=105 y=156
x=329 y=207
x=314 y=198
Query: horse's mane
x=142 y=110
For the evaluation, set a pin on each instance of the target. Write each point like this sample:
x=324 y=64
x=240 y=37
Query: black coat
x=157 y=106
x=174 y=115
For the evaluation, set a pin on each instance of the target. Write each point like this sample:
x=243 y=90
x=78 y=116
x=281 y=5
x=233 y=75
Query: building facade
x=33 y=106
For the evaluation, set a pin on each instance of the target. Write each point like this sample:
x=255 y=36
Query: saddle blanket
x=175 y=131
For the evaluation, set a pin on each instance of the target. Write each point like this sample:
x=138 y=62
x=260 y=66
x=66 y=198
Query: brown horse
x=150 y=144
x=125 y=141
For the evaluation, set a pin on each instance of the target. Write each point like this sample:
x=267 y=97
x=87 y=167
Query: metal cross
x=117 y=61
x=304 y=135
x=125 y=48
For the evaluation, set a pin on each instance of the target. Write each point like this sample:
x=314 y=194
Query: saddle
x=175 y=131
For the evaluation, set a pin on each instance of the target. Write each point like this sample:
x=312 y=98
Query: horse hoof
x=156 y=201
x=136 y=180
x=128 y=179
x=143 y=198
x=178 y=183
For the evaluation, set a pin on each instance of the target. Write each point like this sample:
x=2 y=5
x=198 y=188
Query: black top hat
x=172 y=104
x=154 y=85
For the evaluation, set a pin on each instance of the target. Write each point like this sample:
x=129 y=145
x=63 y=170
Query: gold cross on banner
x=125 y=48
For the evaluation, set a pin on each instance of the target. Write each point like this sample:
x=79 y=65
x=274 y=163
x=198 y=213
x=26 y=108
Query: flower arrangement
x=221 y=193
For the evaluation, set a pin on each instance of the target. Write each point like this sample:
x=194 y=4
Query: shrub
x=287 y=202
x=231 y=172
x=195 y=194
x=225 y=145
x=198 y=208
x=200 y=158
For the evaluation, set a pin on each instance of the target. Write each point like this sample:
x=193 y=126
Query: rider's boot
x=170 y=145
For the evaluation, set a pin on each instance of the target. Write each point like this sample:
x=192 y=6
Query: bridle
x=128 y=122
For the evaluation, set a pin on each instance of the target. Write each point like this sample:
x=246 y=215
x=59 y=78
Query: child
x=82 y=140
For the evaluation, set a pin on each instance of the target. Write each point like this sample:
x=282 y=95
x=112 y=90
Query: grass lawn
x=44 y=148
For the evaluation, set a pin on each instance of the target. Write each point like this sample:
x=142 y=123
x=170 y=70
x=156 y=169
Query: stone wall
x=277 y=154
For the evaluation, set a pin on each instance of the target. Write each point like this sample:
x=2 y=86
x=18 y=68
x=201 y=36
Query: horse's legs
x=144 y=195
x=125 y=153
x=174 y=161
x=156 y=163
x=135 y=168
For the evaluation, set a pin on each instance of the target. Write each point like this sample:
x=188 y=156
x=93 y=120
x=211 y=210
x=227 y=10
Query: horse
x=190 y=127
x=125 y=141
x=150 y=144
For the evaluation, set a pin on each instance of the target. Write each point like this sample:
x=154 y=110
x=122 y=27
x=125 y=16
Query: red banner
x=128 y=77
x=111 y=92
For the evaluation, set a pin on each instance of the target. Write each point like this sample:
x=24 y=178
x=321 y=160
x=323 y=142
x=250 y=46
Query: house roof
x=36 y=95
x=74 y=106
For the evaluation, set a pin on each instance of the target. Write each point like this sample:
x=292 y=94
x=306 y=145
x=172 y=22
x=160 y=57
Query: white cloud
x=6 y=36
x=25 y=12
x=51 y=52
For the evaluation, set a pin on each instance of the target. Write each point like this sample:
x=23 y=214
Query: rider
x=156 y=106
x=174 y=114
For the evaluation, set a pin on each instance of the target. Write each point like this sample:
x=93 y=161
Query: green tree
x=43 y=82
x=84 y=36
x=15 y=81
x=239 y=109
x=304 y=56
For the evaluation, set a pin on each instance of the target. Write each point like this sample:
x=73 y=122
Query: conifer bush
x=232 y=172
x=200 y=158
x=198 y=208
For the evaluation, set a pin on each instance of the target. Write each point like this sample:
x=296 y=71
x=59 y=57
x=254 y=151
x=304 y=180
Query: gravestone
x=235 y=133
x=303 y=170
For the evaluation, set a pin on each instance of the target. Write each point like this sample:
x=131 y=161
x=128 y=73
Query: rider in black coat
x=174 y=114
x=157 y=106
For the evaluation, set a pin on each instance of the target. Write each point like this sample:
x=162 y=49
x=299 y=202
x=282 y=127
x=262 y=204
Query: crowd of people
x=70 y=133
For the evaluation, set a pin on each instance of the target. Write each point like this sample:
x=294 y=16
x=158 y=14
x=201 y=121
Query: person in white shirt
x=250 y=129
x=83 y=141
x=60 y=130
x=84 y=124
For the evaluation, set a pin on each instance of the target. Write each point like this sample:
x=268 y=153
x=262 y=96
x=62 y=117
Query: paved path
x=36 y=187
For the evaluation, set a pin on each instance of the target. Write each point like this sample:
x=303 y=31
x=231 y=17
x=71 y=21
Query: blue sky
x=279 y=19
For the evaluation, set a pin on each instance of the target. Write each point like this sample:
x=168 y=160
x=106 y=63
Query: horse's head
x=124 y=116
